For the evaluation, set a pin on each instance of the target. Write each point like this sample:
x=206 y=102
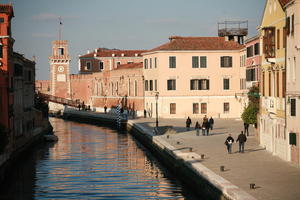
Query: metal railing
x=59 y=100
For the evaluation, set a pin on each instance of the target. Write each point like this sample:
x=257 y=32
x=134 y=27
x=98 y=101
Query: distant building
x=253 y=61
x=60 y=69
x=292 y=8
x=24 y=95
x=6 y=69
x=106 y=59
x=195 y=76
x=273 y=80
x=122 y=85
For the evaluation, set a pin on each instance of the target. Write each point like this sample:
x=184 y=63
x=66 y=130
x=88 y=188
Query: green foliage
x=253 y=95
x=250 y=114
x=3 y=139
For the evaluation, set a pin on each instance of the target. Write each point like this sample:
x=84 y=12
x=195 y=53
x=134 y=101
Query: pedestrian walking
x=145 y=113
x=203 y=128
x=188 y=123
x=79 y=106
x=197 y=127
x=241 y=139
x=211 y=121
x=205 y=119
x=228 y=142
x=105 y=109
x=207 y=127
x=246 y=128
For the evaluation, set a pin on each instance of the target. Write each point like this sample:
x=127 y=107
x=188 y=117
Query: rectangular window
x=101 y=66
x=150 y=63
x=226 y=61
x=226 y=83
x=118 y=63
x=135 y=88
x=287 y=25
x=172 y=62
x=155 y=62
x=278 y=38
x=204 y=84
x=203 y=61
x=250 y=51
x=171 y=84
x=151 y=85
x=1 y=19
x=256 y=49
x=155 y=85
x=203 y=108
x=226 y=107
x=250 y=75
x=60 y=51
x=146 y=85
x=293 y=107
x=195 y=62
x=195 y=108
x=269 y=42
x=194 y=84
x=146 y=63
x=88 y=65
x=292 y=24
x=172 y=108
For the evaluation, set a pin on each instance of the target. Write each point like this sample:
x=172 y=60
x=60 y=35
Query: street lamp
x=156 y=98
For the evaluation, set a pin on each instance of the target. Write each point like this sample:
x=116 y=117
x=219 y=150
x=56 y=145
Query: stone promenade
x=274 y=179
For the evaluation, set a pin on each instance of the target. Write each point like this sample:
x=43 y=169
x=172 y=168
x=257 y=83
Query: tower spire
x=60 y=28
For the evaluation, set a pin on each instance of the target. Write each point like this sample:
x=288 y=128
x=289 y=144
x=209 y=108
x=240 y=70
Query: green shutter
x=195 y=62
x=293 y=139
x=222 y=61
x=203 y=61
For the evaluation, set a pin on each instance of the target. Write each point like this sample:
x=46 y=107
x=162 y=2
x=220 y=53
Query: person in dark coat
x=197 y=127
x=145 y=113
x=211 y=122
x=246 y=128
x=203 y=128
x=207 y=127
x=228 y=142
x=241 y=139
x=188 y=123
x=105 y=109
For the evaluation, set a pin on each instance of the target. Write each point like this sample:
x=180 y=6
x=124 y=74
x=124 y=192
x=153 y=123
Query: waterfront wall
x=186 y=165
x=9 y=158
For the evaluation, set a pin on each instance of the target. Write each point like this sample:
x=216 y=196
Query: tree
x=249 y=115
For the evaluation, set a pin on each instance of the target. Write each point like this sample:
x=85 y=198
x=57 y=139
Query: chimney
x=226 y=38
x=88 y=51
x=171 y=38
x=122 y=54
x=113 y=55
x=136 y=55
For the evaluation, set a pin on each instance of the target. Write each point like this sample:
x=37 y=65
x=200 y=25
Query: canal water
x=91 y=162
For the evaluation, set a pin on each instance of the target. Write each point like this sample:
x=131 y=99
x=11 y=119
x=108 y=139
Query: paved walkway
x=274 y=178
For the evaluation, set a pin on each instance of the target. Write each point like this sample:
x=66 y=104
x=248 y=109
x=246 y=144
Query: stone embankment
x=184 y=162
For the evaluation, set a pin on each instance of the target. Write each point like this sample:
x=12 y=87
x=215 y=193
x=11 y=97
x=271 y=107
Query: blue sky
x=123 y=24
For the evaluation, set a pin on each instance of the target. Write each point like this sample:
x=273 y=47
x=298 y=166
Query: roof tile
x=198 y=43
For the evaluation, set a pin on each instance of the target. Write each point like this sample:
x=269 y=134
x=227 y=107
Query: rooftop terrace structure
x=233 y=30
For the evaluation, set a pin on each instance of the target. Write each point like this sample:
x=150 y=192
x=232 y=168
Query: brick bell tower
x=60 y=69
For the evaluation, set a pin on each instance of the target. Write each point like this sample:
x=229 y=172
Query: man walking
x=188 y=123
x=229 y=141
x=241 y=139
x=246 y=128
x=211 y=122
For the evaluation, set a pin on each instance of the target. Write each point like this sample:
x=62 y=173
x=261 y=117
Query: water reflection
x=90 y=162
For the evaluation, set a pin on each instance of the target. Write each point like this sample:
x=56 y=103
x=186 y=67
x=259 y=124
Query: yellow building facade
x=272 y=31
